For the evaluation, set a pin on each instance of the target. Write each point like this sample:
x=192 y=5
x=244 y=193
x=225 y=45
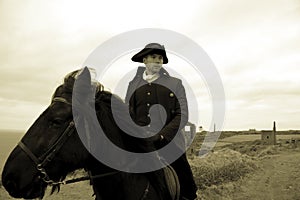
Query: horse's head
x=50 y=149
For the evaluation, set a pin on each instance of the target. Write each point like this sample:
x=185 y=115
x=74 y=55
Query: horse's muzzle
x=32 y=191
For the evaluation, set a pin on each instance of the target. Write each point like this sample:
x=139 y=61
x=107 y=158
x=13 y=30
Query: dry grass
x=259 y=149
x=220 y=167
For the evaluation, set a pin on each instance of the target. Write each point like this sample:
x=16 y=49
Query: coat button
x=148 y=104
x=148 y=93
x=171 y=94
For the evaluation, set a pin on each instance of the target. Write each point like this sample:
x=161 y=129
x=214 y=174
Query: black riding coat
x=166 y=91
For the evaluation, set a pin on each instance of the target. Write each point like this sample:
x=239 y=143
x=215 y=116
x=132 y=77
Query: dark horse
x=52 y=148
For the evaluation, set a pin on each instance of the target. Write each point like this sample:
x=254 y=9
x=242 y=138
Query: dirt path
x=278 y=179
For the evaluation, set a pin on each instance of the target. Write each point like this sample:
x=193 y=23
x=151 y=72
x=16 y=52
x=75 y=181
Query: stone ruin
x=269 y=136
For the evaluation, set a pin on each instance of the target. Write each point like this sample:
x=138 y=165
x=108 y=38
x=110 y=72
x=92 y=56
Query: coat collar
x=162 y=72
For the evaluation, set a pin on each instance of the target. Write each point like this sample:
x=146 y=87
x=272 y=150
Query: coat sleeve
x=180 y=118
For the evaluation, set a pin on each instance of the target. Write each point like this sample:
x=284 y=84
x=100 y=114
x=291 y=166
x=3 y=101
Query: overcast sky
x=255 y=46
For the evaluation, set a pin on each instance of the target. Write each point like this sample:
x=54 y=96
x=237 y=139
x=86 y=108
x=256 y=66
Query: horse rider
x=153 y=85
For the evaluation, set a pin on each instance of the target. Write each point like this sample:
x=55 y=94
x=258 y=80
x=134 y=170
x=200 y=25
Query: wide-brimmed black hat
x=152 y=48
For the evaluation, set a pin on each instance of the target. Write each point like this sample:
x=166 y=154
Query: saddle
x=172 y=182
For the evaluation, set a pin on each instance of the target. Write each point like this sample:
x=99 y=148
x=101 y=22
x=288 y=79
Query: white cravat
x=151 y=77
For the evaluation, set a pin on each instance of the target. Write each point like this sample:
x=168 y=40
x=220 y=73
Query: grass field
x=240 y=167
x=242 y=138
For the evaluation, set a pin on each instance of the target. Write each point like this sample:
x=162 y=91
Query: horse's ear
x=83 y=78
x=82 y=86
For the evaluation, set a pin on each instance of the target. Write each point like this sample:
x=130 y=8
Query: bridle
x=48 y=156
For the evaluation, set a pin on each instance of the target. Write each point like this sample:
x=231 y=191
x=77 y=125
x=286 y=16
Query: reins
x=85 y=178
x=47 y=157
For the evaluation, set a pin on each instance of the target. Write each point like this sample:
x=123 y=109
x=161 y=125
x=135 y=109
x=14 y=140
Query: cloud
x=19 y=115
x=254 y=45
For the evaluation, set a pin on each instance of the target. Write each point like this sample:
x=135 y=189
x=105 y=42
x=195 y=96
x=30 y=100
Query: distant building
x=189 y=134
x=269 y=136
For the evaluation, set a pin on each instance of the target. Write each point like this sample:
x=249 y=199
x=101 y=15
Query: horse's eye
x=56 y=122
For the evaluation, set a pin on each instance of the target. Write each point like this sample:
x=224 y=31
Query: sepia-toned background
x=254 y=45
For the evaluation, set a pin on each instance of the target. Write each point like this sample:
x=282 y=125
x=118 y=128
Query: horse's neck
x=109 y=187
x=120 y=186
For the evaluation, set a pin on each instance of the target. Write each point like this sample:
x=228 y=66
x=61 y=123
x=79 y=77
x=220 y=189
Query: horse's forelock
x=69 y=81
